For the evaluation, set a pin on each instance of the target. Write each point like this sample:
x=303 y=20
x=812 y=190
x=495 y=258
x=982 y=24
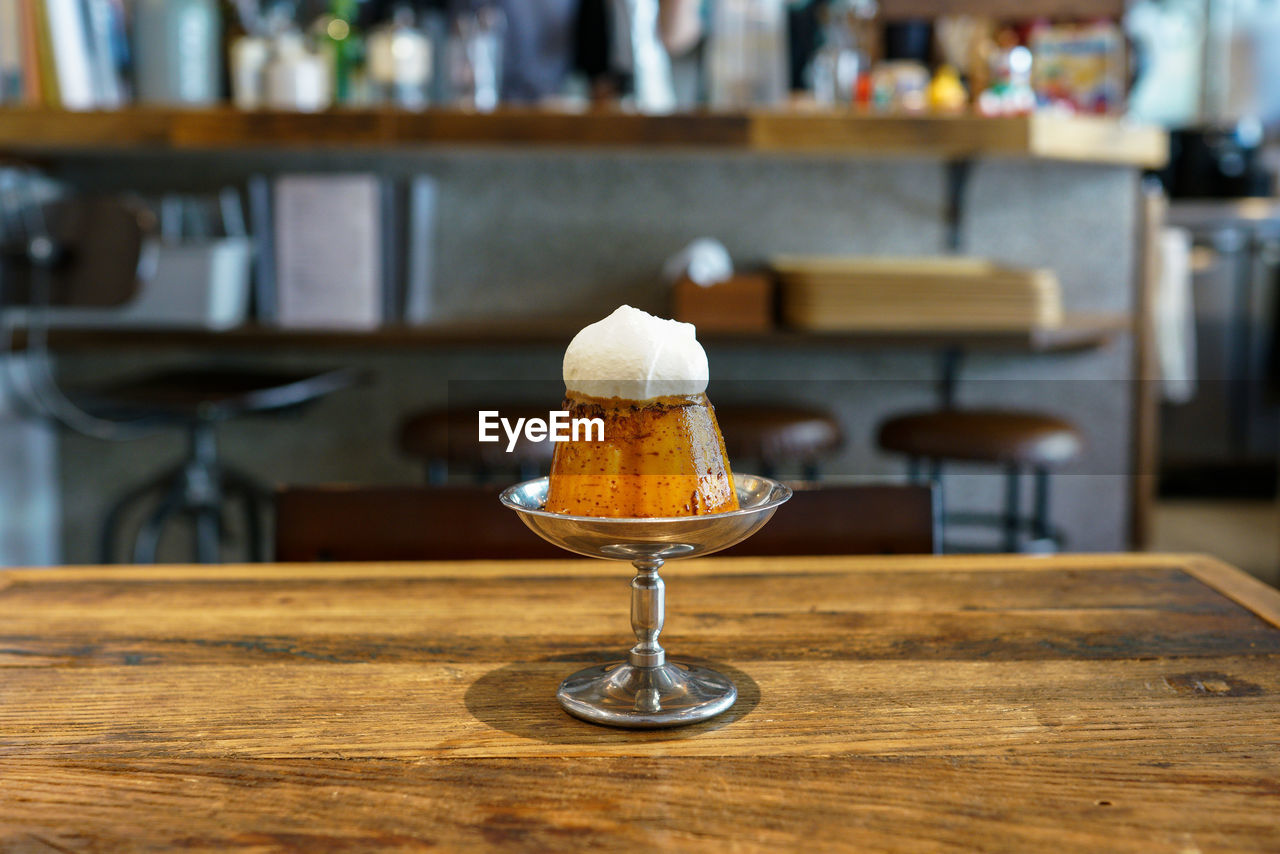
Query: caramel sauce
x=660 y=457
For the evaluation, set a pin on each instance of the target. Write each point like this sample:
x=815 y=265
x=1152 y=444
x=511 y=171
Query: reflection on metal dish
x=646 y=691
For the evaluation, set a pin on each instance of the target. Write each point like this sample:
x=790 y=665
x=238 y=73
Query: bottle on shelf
x=400 y=61
x=475 y=57
x=841 y=58
x=339 y=35
x=178 y=52
x=434 y=23
x=249 y=48
x=747 y=53
x=296 y=77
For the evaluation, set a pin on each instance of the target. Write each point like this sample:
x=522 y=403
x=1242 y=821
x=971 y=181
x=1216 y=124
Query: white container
x=177 y=52
x=249 y=57
x=193 y=286
x=296 y=78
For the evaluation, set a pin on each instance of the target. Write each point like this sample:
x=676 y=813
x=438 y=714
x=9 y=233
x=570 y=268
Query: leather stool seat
x=214 y=394
x=983 y=435
x=196 y=400
x=776 y=436
x=447 y=437
x=1016 y=441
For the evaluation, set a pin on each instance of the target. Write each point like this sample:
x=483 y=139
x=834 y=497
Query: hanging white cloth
x=1175 y=330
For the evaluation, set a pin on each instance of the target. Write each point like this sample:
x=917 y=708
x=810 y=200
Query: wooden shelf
x=1015 y=10
x=48 y=133
x=1079 y=332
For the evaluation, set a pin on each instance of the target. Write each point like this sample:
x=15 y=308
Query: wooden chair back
x=99 y=252
x=389 y=523
x=858 y=519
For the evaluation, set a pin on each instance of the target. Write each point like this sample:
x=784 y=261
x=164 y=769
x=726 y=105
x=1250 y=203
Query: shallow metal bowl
x=666 y=537
x=646 y=690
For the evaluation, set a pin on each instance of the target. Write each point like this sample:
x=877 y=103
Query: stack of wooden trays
x=945 y=293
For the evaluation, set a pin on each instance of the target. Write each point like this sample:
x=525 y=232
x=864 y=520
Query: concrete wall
x=30 y=515
x=561 y=233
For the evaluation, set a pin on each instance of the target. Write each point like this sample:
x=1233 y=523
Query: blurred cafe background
x=1026 y=249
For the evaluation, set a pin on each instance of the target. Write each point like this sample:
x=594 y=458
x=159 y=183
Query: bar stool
x=771 y=436
x=447 y=437
x=1017 y=441
x=91 y=253
x=196 y=400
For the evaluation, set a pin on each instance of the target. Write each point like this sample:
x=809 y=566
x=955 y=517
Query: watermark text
x=556 y=427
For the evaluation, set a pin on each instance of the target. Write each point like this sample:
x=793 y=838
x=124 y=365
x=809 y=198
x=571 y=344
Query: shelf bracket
x=951 y=358
x=958 y=171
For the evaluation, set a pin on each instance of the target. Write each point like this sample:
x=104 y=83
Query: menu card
x=328 y=244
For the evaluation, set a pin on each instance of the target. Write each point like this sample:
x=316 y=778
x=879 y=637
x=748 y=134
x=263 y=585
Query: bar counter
x=569 y=216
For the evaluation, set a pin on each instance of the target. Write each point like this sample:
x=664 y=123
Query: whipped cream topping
x=635 y=356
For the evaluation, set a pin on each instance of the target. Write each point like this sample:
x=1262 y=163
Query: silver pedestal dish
x=646 y=691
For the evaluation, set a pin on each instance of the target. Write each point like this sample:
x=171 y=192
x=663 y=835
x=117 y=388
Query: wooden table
x=1108 y=703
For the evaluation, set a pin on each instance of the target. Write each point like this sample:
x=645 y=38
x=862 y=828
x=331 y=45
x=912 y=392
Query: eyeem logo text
x=557 y=427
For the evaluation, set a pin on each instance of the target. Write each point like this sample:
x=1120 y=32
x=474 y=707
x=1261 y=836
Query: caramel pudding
x=662 y=454
x=662 y=457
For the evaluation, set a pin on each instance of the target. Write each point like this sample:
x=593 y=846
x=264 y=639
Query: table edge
x=1260 y=598
x=1211 y=571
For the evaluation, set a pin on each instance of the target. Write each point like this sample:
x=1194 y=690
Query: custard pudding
x=662 y=454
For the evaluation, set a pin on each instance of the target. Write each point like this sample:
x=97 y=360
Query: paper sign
x=328 y=251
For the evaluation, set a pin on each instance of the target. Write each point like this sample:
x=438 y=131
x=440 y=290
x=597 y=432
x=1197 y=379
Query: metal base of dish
x=646 y=691
x=623 y=695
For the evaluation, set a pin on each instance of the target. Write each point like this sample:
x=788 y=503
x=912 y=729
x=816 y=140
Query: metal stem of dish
x=645 y=690
x=648 y=612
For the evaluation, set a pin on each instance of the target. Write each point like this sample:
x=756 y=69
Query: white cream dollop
x=635 y=356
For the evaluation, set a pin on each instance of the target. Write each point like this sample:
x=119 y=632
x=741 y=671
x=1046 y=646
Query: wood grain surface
x=1097 y=139
x=1078 y=332
x=899 y=10
x=1117 y=703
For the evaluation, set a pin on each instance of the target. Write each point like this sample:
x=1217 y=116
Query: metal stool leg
x=195 y=489
x=254 y=497
x=253 y=527
x=251 y=505
x=935 y=478
x=203 y=491
x=1012 y=506
x=208 y=522
x=107 y=540
x=1040 y=516
x=148 y=540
